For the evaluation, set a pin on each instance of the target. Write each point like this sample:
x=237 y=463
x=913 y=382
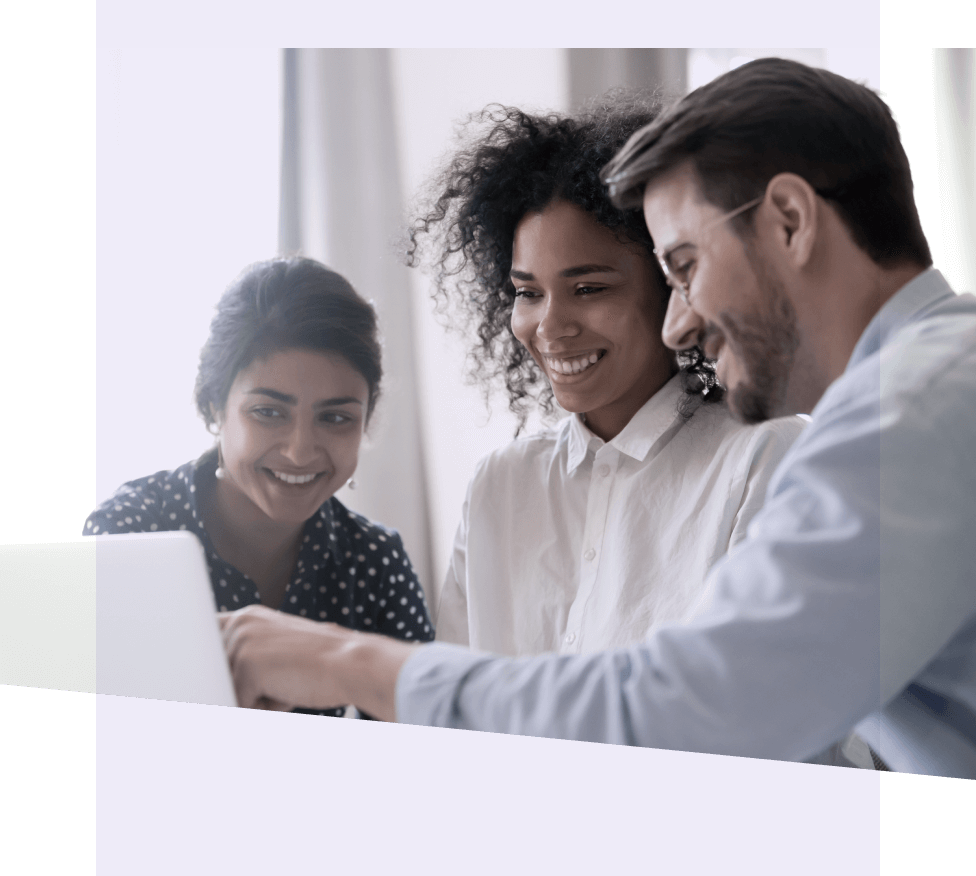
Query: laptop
x=128 y=615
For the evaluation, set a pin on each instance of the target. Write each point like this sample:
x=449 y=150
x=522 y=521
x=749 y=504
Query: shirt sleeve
x=452 y=600
x=801 y=642
x=125 y=512
x=402 y=607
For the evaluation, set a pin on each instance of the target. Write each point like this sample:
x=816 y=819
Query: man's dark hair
x=286 y=304
x=774 y=116
x=513 y=163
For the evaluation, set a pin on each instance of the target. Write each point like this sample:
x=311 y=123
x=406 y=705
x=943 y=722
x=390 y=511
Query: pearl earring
x=351 y=484
x=220 y=473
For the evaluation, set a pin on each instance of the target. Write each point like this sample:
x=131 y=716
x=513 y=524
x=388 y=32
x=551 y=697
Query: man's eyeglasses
x=680 y=284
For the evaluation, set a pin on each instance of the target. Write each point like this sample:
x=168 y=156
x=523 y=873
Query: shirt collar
x=904 y=307
x=655 y=417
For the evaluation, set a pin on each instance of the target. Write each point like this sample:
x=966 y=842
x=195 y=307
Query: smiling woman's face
x=290 y=431
x=589 y=309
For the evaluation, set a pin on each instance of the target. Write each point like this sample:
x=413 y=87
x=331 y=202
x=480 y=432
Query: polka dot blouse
x=349 y=571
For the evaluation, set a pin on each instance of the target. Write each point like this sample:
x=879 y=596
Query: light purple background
x=197 y=789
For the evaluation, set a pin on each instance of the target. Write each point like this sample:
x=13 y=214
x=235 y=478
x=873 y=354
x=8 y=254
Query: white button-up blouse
x=571 y=544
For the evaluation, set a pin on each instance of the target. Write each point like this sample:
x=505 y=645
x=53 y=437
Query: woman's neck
x=244 y=536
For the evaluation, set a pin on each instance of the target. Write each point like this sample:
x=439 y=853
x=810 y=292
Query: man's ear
x=795 y=216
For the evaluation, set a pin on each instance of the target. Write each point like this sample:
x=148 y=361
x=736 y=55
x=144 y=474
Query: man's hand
x=280 y=661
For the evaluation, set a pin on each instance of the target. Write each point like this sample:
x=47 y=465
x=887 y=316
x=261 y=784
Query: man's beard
x=765 y=343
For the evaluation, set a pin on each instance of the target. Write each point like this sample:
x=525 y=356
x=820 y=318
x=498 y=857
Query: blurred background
x=209 y=159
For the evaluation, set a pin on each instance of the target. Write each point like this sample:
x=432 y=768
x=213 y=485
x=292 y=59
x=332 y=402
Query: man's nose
x=682 y=326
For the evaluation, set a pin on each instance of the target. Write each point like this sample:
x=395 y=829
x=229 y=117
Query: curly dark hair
x=466 y=232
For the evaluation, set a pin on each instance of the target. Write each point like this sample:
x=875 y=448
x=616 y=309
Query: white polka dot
x=235 y=598
x=386 y=561
x=335 y=600
x=223 y=583
x=390 y=615
x=293 y=600
x=118 y=507
x=360 y=583
x=352 y=570
x=118 y=522
x=153 y=527
x=322 y=589
x=395 y=554
x=403 y=600
x=372 y=546
x=345 y=609
x=322 y=614
x=408 y=634
x=400 y=625
x=359 y=608
x=182 y=526
x=302 y=612
x=401 y=578
x=366 y=620
x=88 y=525
x=172 y=516
x=382 y=538
x=413 y=609
x=177 y=496
x=342 y=585
x=166 y=486
x=316 y=547
x=187 y=506
x=97 y=528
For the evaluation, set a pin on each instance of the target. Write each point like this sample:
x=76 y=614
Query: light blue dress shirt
x=850 y=606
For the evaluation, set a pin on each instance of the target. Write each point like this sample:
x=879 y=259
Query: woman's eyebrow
x=273 y=393
x=338 y=400
x=576 y=271
x=291 y=400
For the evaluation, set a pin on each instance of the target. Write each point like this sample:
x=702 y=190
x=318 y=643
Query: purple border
x=511 y=23
x=202 y=789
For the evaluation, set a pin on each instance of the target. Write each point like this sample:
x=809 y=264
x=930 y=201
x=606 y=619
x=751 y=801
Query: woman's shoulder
x=718 y=420
x=349 y=525
x=146 y=504
x=527 y=451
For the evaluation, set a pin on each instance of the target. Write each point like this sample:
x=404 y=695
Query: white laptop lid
x=157 y=635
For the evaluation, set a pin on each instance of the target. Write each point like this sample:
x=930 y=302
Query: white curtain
x=955 y=113
x=341 y=204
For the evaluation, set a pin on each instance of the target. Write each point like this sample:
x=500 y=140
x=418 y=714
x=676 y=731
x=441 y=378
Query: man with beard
x=780 y=202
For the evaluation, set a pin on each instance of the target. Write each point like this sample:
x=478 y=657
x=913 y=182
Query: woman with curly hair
x=590 y=534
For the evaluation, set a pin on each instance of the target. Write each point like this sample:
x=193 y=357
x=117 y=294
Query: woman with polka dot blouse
x=287 y=382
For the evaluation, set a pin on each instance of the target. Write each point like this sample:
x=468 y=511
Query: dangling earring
x=220 y=473
x=351 y=484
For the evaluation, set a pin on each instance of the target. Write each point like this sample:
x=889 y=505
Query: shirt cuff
x=430 y=681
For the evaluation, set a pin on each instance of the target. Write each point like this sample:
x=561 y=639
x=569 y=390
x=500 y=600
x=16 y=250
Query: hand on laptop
x=280 y=661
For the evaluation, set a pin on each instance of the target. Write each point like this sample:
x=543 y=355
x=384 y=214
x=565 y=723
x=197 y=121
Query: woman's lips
x=294 y=479
x=561 y=367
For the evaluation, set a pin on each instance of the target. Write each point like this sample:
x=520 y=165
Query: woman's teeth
x=293 y=479
x=572 y=366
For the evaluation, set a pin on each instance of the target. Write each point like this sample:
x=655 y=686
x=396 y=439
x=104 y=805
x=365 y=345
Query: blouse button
x=590 y=554
x=604 y=470
x=570 y=638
